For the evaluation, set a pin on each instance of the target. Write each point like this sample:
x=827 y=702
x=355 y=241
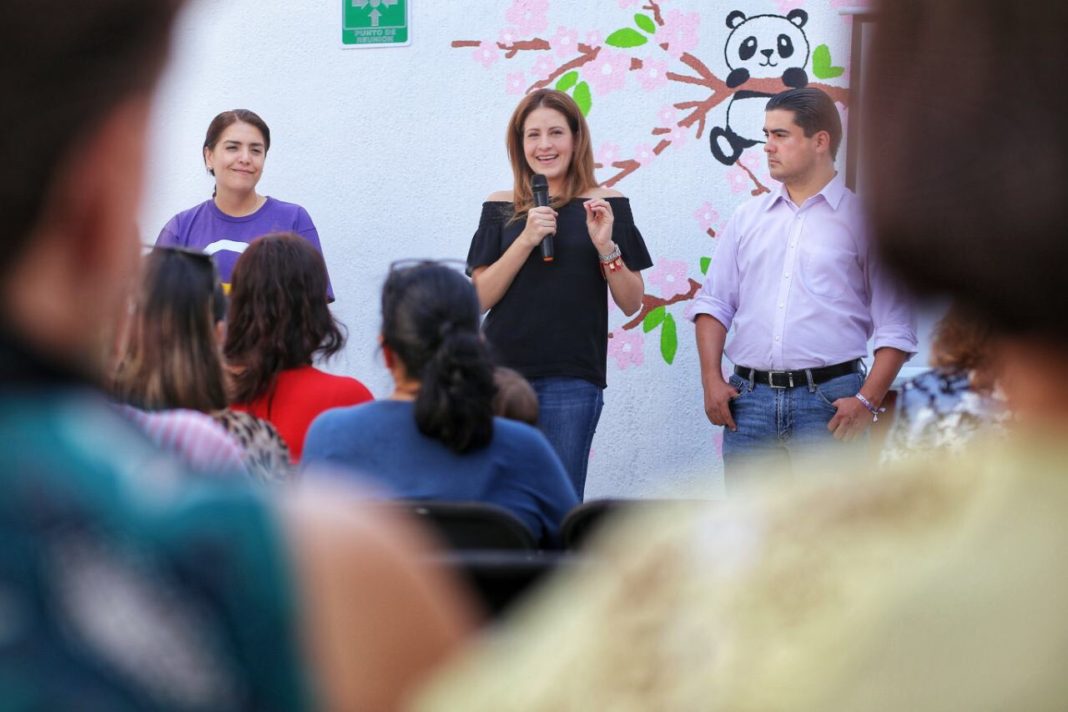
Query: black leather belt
x=789 y=379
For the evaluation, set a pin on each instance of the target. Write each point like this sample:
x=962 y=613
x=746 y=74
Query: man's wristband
x=871 y=407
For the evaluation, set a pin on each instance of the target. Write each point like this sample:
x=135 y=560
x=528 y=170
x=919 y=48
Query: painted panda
x=758 y=47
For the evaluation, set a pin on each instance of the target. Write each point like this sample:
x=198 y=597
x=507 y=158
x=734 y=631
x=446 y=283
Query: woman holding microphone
x=235 y=150
x=548 y=318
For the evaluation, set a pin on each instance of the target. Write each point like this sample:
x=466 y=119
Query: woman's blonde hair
x=580 y=176
x=962 y=342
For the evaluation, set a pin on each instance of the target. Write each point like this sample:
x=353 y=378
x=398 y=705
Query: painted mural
x=647 y=49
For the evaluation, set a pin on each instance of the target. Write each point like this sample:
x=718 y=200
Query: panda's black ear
x=738 y=17
x=799 y=17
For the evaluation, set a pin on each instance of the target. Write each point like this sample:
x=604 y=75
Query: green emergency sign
x=371 y=23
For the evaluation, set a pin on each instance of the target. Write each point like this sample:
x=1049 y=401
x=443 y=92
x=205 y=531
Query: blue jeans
x=776 y=426
x=569 y=409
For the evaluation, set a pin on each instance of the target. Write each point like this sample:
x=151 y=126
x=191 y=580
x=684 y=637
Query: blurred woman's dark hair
x=967 y=166
x=171 y=358
x=516 y=398
x=60 y=78
x=279 y=316
x=430 y=321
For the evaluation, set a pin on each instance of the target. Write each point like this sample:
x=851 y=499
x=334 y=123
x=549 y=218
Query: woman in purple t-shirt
x=235 y=149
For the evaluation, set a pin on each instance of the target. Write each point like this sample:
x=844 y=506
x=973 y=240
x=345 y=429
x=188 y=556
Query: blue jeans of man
x=777 y=426
x=569 y=409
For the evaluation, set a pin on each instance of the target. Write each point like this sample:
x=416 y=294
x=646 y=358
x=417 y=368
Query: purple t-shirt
x=224 y=237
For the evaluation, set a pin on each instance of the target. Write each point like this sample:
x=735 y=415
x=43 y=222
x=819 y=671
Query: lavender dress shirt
x=802 y=286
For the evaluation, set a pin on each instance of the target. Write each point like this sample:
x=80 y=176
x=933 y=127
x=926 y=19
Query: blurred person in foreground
x=123 y=585
x=936 y=586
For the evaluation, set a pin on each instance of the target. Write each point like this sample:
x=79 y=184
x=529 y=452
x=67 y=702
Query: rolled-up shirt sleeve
x=718 y=296
x=892 y=313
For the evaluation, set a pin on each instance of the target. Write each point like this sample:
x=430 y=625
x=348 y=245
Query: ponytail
x=430 y=320
x=455 y=401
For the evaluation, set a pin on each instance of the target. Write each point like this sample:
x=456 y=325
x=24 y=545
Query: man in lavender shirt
x=796 y=278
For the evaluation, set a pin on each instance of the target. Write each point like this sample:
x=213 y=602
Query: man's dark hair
x=62 y=69
x=813 y=111
x=966 y=155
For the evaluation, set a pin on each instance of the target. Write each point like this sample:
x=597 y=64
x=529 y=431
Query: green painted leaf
x=645 y=22
x=583 y=98
x=626 y=37
x=705 y=262
x=669 y=339
x=821 y=64
x=654 y=319
x=567 y=81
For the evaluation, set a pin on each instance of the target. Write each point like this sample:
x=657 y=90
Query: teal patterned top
x=125 y=583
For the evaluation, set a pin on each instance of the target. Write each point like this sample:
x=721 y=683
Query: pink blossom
x=486 y=54
x=565 y=42
x=508 y=36
x=627 y=3
x=670 y=278
x=679 y=31
x=653 y=74
x=543 y=67
x=608 y=72
x=515 y=83
x=594 y=38
x=608 y=154
x=529 y=16
x=677 y=136
x=643 y=154
x=751 y=160
x=666 y=115
x=706 y=216
x=737 y=179
x=786 y=6
x=626 y=348
x=755 y=160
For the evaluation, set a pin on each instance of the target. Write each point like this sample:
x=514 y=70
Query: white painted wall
x=393 y=150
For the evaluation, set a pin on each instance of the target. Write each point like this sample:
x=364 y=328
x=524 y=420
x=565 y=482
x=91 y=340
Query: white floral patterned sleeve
x=938 y=410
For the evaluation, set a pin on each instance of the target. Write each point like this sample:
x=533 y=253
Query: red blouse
x=299 y=395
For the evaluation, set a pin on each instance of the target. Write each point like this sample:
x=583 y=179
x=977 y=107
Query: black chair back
x=502 y=578
x=585 y=519
x=465 y=526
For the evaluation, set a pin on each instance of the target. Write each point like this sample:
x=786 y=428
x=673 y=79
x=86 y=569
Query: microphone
x=540 y=187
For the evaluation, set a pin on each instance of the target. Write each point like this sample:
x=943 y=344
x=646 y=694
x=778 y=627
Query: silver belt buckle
x=789 y=379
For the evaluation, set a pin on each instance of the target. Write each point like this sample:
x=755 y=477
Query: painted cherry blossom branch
x=654 y=7
x=651 y=302
x=586 y=55
x=758 y=187
x=510 y=50
x=699 y=110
